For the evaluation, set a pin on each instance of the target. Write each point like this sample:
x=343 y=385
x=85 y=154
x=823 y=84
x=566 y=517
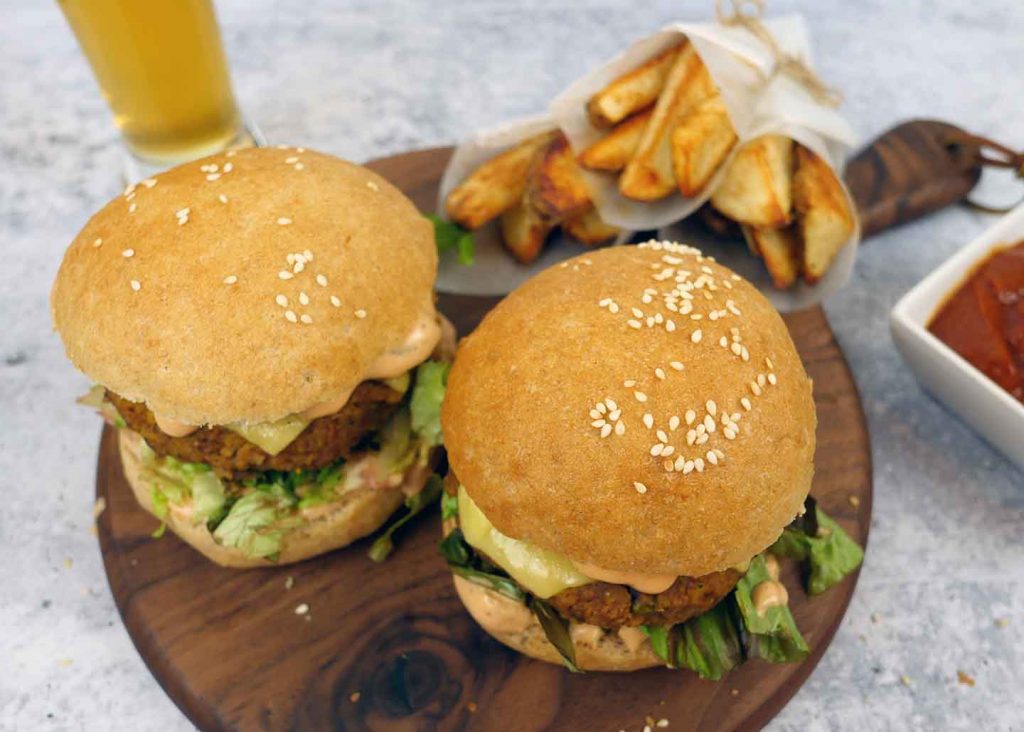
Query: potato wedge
x=756 y=189
x=700 y=143
x=824 y=218
x=495 y=186
x=589 y=228
x=632 y=91
x=555 y=186
x=524 y=230
x=614 y=150
x=649 y=174
x=780 y=249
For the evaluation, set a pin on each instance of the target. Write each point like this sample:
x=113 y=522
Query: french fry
x=495 y=186
x=700 y=143
x=632 y=91
x=524 y=230
x=823 y=216
x=589 y=228
x=649 y=175
x=555 y=186
x=780 y=249
x=614 y=150
x=756 y=189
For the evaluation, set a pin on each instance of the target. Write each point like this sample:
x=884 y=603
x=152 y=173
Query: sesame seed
x=303 y=298
x=761 y=380
x=688 y=467
x=711 y=407
x=308 y=255
x=300 y=150
x=640 y=487
x=735 y=416
x=769 y=364
x=127 y=253
x=668 y=466
x=360 y=313
x=637 y=312
x=614 y=414
x=300 y=264
x=299 y=166
x=661 y=435
x=648 y=421
x=696 y=336
x=231 y=153
x=285 y=274
x=129 y=190
x=149 y=182
x=730 y=434
x=136 y=285
x=335 y=301
x=635 y=324
x=213 y=176
x=669 y=449
x=646 y=299
x=660 y=373
x=690 y=416
x=640 y=396
x=746 y=403
x=97 y=242
x=656 y=449
x=613 y=308
x=290 y=316
x=281 y=300
x=611 y=404
x=222 y=198
x=773 y=379
x=629 y=383
x=292 y=160
x=677 y=365
x=736 y=348
x=755 y=388
x=745 y=354
x=711 y=457
x=606 y=430
x=306 y=318
x=230 y=280
x=131 y=209
x=601 y=407
x=691 y=437
x=709 y=423
x=670 y=326
x=723 y=342
x=620 y=428
x=284 y=221
x=372 y=186
x=605 y=302
x=698 y=464
x=680 y=462
x=595 y=414
x=661 y=723
x=228 y=167
x=673 y=422
x=302 y=609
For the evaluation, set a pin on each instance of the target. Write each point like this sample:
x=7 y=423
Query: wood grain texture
x=910 y=171
x=229 y=649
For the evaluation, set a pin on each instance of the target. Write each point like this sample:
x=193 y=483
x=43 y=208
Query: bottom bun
x=514 y=625
x=357 y=513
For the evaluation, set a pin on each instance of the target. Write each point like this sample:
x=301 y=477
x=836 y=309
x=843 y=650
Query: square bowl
x=964 y=389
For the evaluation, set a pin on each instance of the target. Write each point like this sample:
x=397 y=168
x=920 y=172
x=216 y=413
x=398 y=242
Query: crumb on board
x=472 y=707
x=289 y=582
x=1002 y=622
x=354 y=697
x=964 y=678
x=906 y=680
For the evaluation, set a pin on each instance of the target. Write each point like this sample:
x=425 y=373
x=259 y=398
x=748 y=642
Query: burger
x=631 y=438
x=261 y=327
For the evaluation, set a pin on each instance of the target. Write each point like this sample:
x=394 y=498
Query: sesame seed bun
x=357 y=514
x=523 y=428
x=595 y=650
x=169 y=294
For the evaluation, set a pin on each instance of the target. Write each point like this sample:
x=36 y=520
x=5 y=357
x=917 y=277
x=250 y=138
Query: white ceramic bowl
x=978 y=400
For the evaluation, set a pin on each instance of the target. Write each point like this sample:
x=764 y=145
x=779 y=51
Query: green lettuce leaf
x=466 y=563
x=449 y=506
x=427 y=395
x=773 y=635
x=449 y=235
x=384 y=544
x=160 y=511
x=830 y=552
x=248 y=525
x=207 y=497
x=556 y=629
x=708 y=644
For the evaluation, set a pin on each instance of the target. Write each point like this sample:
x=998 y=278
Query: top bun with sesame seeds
x=639 y=409
x=246 y=286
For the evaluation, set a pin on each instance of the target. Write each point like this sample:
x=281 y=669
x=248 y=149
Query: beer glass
x=161 y=67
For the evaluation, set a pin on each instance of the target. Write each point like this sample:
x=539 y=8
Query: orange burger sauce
x=983 y=321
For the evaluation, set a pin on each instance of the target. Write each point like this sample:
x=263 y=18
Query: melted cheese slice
x=271 y=437
x=542 y=572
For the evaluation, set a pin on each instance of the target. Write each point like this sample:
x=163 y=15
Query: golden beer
x=161 y=67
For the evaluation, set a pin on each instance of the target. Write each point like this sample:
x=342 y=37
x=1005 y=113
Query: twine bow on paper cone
x=1001 y=157
x=747 y=14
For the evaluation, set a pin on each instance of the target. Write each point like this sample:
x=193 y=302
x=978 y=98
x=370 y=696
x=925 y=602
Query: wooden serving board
x=389 y=647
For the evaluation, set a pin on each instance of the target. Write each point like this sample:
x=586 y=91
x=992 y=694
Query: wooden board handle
x=909 y=171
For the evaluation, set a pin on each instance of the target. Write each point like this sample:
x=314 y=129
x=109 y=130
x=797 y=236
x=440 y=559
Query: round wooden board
x=390 y=647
